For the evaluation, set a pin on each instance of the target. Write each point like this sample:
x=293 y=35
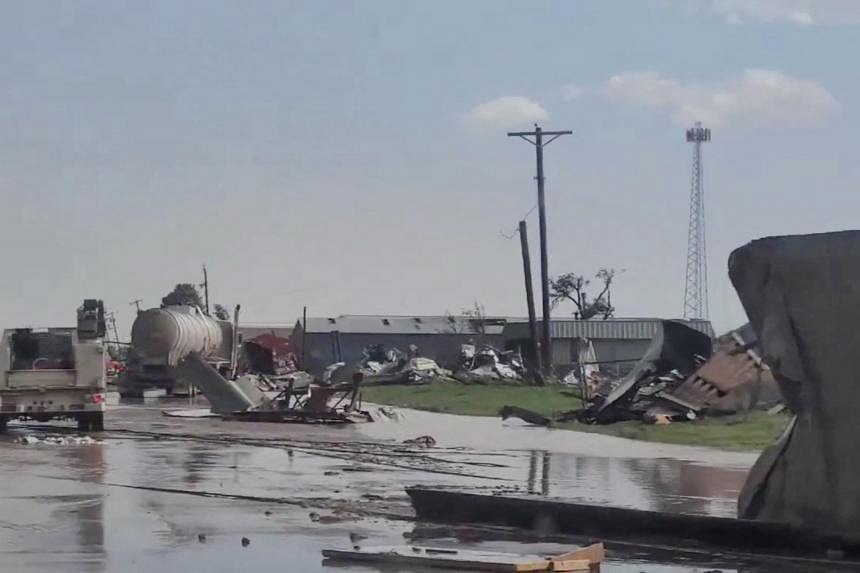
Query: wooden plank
x=447 y=558
x=579 y=560
x=594 y=553
x=542 y=565
x=569 y=564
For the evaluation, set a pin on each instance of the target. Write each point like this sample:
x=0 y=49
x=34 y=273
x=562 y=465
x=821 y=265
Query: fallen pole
x=530 y=296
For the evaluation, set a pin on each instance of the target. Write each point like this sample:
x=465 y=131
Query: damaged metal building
x=618 y=342
x=343 y=338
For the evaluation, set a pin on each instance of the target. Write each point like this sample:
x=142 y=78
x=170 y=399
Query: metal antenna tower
x=696 y=291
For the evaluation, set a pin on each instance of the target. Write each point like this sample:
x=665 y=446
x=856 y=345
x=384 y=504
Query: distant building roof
x=397 y=324
x=612 y=328
x=252 y=329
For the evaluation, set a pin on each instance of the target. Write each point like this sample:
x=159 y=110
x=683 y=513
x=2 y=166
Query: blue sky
x=351 y=156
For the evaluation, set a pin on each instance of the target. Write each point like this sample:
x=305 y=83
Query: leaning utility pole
x=539 y=143
x=530 y=297
x=205 y=286
x=110 y=319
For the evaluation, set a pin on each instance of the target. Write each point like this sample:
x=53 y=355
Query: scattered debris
x=357 y=469
x=324 y=519
x=190 y=413
x=525 y=415
x=424 y=441
x=462 y=560
x=734 y=379
x=252 y=397
x=487 y=365
x=678 y=379
x=675 y=352
x=381 y=367
x=57 y=440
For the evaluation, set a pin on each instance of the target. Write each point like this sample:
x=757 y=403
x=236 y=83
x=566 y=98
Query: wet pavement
x=179 y=494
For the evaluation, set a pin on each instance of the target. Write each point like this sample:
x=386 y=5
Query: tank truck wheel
x=97 y=422
x=84 y=422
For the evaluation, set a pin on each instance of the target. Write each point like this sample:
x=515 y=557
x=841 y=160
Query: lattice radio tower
x=696 y=291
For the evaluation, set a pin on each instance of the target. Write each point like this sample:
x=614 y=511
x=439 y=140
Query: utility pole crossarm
x=539 y=143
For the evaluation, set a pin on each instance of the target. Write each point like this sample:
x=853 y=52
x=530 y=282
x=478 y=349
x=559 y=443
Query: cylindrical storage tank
x=167 y=335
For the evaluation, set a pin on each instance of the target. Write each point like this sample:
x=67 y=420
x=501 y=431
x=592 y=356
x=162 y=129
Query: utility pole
x=539 y=143
x=530 y=297
x=304 y=334
x=136 y=303
x=205 y=286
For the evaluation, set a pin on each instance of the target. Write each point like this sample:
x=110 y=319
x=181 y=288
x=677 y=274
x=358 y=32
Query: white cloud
x=506 y=111
x=757 y=97
x=572 y=91
x=798 y=12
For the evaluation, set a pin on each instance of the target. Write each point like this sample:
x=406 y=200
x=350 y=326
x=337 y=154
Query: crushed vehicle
x=56 y=373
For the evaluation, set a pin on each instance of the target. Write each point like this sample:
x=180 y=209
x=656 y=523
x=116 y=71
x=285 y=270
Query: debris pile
x=380 y=366
x=57 y=440
x=675 y=352
x=260 y=358
x=679 y=378
x=252 y=397
x=486 y=364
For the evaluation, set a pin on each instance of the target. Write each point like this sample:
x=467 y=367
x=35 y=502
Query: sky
x=351 y=156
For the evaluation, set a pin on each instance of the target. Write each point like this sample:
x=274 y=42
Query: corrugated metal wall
x=625 y=329
x=322 y=348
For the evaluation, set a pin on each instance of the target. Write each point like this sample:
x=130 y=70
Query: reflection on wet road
x=124 y=505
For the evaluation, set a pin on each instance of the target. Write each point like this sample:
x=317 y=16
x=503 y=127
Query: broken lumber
x=467 y=559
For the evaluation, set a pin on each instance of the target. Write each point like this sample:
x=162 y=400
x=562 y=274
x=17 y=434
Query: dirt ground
x=174 y=494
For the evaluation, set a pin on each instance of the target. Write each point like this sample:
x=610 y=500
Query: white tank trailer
x=161 y=337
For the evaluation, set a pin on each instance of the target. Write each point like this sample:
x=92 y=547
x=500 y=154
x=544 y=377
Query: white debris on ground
x=57 y=440
x=384 y=413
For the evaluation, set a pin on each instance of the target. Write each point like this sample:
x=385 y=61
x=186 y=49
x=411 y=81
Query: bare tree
x=572 y=287
x=220 y=312
x=470 y=320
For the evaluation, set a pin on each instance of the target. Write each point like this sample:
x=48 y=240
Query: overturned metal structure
x=734 y=379
x=242 y=399
x=802 y=296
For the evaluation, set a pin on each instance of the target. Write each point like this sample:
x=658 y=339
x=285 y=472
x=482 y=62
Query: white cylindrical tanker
x=167 y=335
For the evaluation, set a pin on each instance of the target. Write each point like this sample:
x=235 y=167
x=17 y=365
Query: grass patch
x=472 y=399
x=750 y=431
x=747 y=432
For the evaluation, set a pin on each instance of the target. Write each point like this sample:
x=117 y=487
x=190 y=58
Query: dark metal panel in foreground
x=559 y=516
